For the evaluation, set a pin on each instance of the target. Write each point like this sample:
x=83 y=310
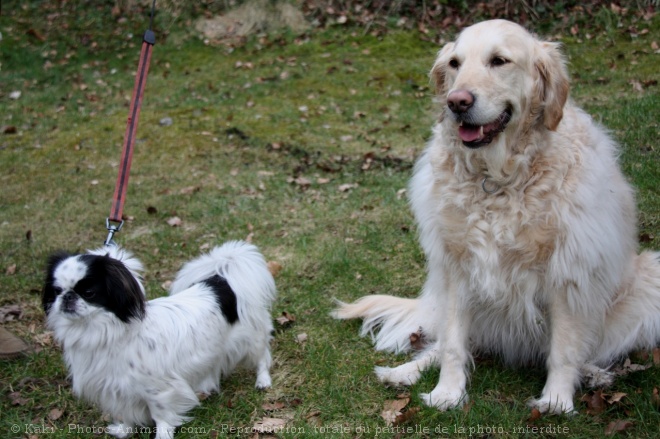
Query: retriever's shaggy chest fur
x=513 y=247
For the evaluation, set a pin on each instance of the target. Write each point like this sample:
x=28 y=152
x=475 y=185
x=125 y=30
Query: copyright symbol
x=15 y=428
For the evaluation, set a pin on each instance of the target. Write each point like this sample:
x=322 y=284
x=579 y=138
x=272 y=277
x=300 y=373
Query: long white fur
x=543 y=270
x=150 y=370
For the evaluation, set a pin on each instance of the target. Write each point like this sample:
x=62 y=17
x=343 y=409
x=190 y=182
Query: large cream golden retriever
x=528 y=226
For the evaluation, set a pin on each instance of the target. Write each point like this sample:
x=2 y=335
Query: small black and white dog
x=143 y=361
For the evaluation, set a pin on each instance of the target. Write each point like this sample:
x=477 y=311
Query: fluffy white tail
x=241 y=264
x=389 y=320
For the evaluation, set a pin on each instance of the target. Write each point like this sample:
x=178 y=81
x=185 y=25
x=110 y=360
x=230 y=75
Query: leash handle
x=116 y=212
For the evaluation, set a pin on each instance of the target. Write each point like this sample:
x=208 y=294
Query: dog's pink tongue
x=469 y=133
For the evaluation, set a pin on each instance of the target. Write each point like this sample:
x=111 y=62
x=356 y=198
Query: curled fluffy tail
x=633 y=322
x=241 y=264
x=388 y=320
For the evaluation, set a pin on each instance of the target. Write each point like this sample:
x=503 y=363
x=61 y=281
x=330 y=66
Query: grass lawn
x=303 y=144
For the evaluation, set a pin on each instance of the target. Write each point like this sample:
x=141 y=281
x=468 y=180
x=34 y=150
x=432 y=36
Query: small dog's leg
x=119 y=430
x=407 y=374
x=164 y=430
x=210 y=384
x=263 y=370
x=169 y=406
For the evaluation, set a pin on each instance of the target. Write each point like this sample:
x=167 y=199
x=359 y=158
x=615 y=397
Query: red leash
x=119 y=196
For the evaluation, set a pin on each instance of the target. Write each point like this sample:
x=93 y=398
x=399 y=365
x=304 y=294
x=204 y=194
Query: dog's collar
x=489 y=186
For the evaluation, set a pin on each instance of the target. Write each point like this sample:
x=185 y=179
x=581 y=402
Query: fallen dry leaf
x=392 y=409
x=274 y=268
x=617 y=426
x=417 y=340
x=628 y=366
x=301 y=338
x=17 y=399
x=10 y=312
x=347 y=187
x=189 y=190
x=11 y=270
x=616 y=397
x=406 y=416
x=285 y=319
x=270 y=406
x=300 y=181
x=535 y=415
x=44 y=339
x=55 y=414
x=595 y=402
x=175 y=221
x=314 y=418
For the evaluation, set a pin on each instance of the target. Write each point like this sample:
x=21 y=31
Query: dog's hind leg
x=169 y=404
x=596 y=377
x=633 y=322
x=120 y=430
x=407 y=374
x=164 y=430
x=263 y=370
x=211 y=383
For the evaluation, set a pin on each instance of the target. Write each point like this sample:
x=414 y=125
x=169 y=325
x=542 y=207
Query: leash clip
x=112 y=229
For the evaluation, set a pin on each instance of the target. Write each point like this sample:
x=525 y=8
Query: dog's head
x=497 y=78
x=79 y=287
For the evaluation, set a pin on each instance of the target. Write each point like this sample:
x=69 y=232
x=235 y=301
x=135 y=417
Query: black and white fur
x=143 y=361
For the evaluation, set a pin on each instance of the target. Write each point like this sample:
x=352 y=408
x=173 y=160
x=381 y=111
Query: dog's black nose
x=460 y=101
x=69 y=301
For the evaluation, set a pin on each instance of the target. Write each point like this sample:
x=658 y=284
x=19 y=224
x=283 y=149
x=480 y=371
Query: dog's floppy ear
x=438 y=75
x=123 y=289
x=551 y=83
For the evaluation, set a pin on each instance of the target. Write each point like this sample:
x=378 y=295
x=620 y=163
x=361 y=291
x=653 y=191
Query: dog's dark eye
x=453 y=63
x=498 y=61
x=87 y=294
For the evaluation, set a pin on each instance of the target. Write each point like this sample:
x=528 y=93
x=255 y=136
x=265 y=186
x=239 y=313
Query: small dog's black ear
x=50 y=292
x=124 y=291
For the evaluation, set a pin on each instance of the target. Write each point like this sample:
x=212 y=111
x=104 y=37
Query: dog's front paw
x=403 y=375
x=263 y=381
x=119 y=430
x=445 y=399
x=554 y=404
x=164 y=431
